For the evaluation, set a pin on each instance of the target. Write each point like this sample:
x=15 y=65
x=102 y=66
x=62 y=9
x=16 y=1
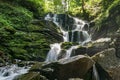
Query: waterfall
x=73 y=30
x=10 y=72
x=54 y=52
x=68 y=52
x=95 y=73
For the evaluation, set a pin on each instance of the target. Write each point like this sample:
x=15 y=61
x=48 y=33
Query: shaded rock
x=115 y=72
x=108 y=60
x=34 y=73
x=67 y=45
x=25 y=63
x=97 y=46
x=74 y=67
x=97 y=73
x=79 y=51
x=62 y=54
x=117 y=43
x=75 y=79
x=36 y=66
x=66 y=21
x=92 y=47
x=32 y=76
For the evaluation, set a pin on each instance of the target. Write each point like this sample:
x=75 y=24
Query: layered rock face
x=74 y=67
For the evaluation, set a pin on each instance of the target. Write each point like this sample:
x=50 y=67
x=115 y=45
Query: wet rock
x=34 y=73
x=108 y=60
x=79 y=51
x=25 y=63
x=74 y=67
x=66 y=21
x=92 y=47
x=6 y=74
x=67 y=45
x=32 y=76
x=98 y=45
x=115 y=72
x=62 y=54
x=117 y=43
x=75 y=79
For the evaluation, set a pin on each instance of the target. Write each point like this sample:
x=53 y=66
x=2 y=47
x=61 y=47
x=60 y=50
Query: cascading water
x=54 y=52
x=11 y=72
x=75 y=32
x=95 y=73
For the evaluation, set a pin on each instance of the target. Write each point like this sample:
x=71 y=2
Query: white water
x=53 y=53
x=68 y=52
x=9 y=72
x=78 y=27
x=95 y=73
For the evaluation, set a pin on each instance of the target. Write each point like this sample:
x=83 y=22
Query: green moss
x=103 y=13
x=17 y=17
x=67 y=45
x=35 y=6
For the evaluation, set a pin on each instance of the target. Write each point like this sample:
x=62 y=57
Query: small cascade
x=10 y=72
x=54 y=52
x=73 y=30
x=69 y=51
x=95 y=73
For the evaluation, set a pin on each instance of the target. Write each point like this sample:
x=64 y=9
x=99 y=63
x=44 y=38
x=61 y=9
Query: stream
x=11 y=72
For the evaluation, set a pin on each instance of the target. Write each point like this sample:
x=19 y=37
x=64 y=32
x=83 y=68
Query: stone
x=108 y=60
x=98 y=45
x=79 y=51
x=74 y=67
x=92 y=48
x=32 y=76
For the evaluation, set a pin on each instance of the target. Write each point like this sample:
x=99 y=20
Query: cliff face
x=105 y=15
x=22 y=36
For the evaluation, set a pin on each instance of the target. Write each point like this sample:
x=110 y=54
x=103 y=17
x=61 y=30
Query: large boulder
x=32 y=76
x=93 y=47
x=74 y=67
x=108 y=60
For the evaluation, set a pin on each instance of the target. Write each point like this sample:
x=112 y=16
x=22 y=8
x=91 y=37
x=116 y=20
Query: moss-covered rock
x=19 y=36
x=32 y=76
x=67 y=45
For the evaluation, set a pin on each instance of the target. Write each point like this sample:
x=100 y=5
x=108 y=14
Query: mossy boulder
x=67 y=45
x=20 y=37
x=32 y=76
x=34 y=73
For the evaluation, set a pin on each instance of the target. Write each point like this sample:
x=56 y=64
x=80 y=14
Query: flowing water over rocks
x=67 y=60
x=77 y=35
x=10 y=72
x=73 y=30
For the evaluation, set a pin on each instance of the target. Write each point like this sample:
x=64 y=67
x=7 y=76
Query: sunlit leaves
x=57 y=2
x=62 y=6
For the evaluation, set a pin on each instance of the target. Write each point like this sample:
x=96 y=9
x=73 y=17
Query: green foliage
x=35 y=6
x=18 y=36
x=17 y=17
x=108 y=10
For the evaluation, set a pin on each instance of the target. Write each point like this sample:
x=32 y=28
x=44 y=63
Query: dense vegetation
x=21 y=36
